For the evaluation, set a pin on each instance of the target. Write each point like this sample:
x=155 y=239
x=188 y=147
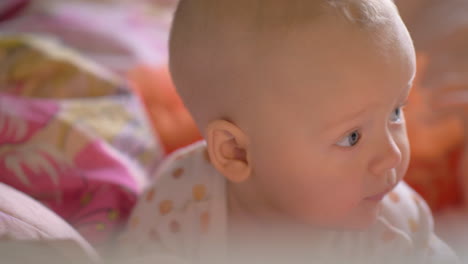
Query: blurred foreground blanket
x=33 y=227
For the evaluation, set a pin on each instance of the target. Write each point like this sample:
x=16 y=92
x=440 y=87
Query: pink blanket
x=72 y=136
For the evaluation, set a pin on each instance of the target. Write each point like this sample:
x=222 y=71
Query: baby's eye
x=396 y=115
x=350 y=140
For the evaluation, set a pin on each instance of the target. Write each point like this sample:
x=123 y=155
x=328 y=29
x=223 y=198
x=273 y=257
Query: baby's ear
x=228 y=150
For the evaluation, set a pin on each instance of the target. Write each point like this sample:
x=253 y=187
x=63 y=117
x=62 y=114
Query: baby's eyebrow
x=364 y=110
x=349 y=117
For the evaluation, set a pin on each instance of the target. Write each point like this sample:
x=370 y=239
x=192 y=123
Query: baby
x=301 y=107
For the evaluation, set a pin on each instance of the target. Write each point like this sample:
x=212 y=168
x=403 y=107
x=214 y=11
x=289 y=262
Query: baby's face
x=330 y=140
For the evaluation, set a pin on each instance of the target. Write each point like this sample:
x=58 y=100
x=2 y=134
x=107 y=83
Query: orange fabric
x=170 y=118
x=436 y=144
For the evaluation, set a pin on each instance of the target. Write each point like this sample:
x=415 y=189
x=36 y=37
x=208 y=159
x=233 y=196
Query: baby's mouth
x=392 y=181
x=379 y=196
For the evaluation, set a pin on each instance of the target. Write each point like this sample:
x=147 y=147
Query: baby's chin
x=364 y=218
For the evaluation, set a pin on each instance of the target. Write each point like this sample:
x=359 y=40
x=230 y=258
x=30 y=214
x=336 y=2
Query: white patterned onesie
x=184 y=213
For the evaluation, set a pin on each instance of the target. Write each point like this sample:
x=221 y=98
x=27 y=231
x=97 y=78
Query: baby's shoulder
x=184 y=177
x=184 y=198
x=188 y=164
x=406 y=215
x=407 y=211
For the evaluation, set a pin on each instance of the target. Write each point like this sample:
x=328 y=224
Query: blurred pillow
x=23 y=219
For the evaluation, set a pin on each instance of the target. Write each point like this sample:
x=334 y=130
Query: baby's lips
x=378 y=196
x=381 y=195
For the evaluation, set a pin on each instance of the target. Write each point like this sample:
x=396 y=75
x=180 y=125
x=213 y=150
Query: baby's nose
x=388 y=157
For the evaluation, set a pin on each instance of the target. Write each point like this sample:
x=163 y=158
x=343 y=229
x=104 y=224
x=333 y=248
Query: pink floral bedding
x=72 y=136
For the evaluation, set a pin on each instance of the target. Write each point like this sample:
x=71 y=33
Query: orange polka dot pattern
x=204 y=221
x=414 y=227
x=135 y=222
x=150 y=195
x=178 y=173
x=394 y=197
x=165 y=207
x=199 y=192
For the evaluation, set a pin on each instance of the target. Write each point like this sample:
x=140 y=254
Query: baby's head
x=299 y=101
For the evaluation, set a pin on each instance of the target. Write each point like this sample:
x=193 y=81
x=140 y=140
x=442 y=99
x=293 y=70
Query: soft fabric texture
x=22 y=218
x=72 y=136
x=184 y=212
x=118 y=34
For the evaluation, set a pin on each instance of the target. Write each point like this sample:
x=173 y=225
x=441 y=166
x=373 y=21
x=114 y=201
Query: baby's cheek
x=343 y=200
x=331 y=201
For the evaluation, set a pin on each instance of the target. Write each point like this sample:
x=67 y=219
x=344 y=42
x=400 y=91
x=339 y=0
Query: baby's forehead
x=219 y=48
